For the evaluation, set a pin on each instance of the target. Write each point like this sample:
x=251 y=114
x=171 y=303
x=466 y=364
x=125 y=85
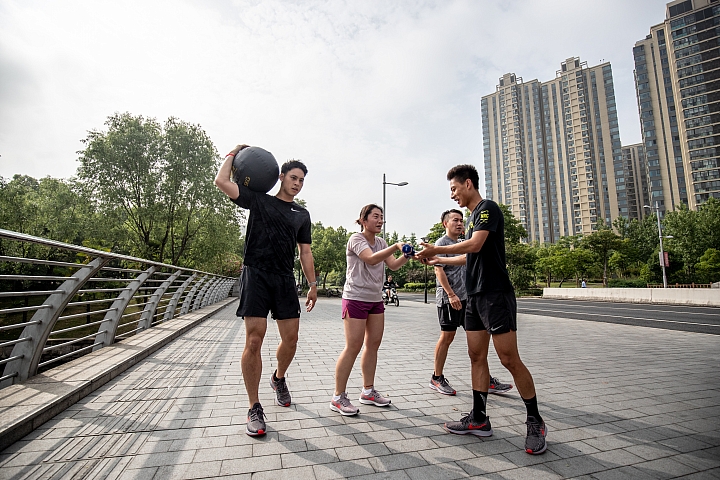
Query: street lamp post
x=401 y=184
x=660 y=236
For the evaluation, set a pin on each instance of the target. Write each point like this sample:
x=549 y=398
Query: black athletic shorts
x=451 y=319
x=262 y=292
x=495 y=312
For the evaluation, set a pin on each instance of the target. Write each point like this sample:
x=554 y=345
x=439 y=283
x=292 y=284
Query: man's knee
x=253 y=343
x=446 y=337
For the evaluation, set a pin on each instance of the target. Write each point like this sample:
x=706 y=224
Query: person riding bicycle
x=389 y=285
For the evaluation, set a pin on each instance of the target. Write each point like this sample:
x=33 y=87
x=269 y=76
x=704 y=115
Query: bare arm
x=471 y=245
x=223 y=178
x=308 y=266
x=395 y=263
x=445 y=284
x=374 y=258
x=458 y=260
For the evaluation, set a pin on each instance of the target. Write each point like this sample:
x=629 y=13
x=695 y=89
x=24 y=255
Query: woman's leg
x=354 y=335
x=374 y=328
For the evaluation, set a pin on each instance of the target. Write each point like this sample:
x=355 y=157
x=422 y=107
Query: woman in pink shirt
x=363 y=309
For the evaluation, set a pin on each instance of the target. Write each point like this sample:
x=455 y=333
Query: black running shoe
x=441 y=385
x=255 y=421
x=496 y=386
x=535 y=443
x=467 y=425
x=282 y=394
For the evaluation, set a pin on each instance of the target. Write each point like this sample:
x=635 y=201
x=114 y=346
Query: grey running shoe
x=374 y=398
x=535 y=441
x=282 y=394
x=441 y=385
x=255 y=421
x=343 y=406
x=496 y=386
x=467 y=425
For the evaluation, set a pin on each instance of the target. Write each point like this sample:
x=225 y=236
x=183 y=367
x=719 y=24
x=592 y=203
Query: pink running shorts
x=361 y=310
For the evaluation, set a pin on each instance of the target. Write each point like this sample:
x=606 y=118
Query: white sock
x=336 y=397
x=367 y=391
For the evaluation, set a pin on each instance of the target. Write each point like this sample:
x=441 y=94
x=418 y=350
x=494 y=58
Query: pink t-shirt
x=363 y=282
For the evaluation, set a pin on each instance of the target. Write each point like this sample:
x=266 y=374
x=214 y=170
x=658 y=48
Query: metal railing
x=60 y=301
x=680 y=285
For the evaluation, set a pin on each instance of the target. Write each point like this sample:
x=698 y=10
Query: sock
x=479 y=403
x=532 y=408
x=436 y=377
x=367 y=391
x=336 y=397
x=275 y=378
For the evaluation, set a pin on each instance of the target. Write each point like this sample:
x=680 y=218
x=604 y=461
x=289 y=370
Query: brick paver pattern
x=620 y=402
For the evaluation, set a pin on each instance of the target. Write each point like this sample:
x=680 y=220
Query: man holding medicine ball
x=276 y=224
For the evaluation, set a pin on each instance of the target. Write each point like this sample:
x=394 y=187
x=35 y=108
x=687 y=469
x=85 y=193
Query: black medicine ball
x=256 y=169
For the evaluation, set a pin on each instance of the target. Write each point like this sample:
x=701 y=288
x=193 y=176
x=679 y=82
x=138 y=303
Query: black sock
x=436 y=377
x=532 y=408
x=479 y=402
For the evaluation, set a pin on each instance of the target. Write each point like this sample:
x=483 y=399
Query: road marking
x=620 y=316
x=643 y=304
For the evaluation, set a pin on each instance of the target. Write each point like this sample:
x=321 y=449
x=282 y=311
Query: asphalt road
x=669 y=317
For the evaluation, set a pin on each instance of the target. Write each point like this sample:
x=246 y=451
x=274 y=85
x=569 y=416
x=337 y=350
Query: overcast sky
x=354 y=88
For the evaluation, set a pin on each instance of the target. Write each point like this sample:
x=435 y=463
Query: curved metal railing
x=60 y=301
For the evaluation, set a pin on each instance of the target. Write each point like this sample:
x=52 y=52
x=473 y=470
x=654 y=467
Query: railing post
x=112 y=319
x=198 y=300
x=170 y=311
x=147 y=314
x=31 y=350
x=208 y=293
x=187 y=303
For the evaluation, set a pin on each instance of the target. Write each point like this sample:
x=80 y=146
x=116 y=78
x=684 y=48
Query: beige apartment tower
x=552 y=151
x=677 y=79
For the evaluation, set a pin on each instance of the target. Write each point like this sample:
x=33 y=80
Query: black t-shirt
x=388 y=284
x=486 y=269
x=274 y=228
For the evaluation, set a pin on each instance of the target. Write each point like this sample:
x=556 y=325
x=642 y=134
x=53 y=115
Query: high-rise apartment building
x=636 y=184
x=677 y=78
x=552 y=151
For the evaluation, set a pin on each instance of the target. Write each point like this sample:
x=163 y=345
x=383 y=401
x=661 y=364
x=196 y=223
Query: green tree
x=687 y=243
x=329 y=245
x=436 y=232
x=708 y=268
x=603 y=243
x=157 y=181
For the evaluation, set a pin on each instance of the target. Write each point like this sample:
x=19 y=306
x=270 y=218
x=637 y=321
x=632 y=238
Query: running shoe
x=255 y=421
x=535 y=441
x=441 y=385
x=374 y=398
x=282 y=394
x=467 y=425
x=496 y=386
x=343 y=406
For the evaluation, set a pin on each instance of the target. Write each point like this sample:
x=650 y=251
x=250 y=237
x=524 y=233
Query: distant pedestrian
x=363 y=311
x=491 y=310
x=583 y=285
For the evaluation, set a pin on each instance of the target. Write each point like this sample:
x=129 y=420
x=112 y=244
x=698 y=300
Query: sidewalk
x=620 y=402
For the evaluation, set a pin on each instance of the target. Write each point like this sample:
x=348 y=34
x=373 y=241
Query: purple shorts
x=361 y=310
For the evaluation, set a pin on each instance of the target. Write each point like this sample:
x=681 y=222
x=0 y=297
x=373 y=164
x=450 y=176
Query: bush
x=627 y=283
x=418 y=286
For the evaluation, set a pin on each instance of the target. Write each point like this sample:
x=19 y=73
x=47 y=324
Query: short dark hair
x=365 y=213
x=448 y=212
x=290 y=164
x=463 y=172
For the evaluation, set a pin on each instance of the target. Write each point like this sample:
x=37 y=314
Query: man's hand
x=429 y=250
x=455 y=301
x=311 y=298
x=430 y=260
x=235 y=150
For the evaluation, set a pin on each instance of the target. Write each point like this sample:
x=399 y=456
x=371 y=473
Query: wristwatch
x=312 y=284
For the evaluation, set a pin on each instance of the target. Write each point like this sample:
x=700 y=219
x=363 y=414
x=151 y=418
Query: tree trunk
x=325 y=279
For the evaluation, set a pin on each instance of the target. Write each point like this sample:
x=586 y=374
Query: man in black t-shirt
x=276 y=225
x=491 y=308
x=389 y=285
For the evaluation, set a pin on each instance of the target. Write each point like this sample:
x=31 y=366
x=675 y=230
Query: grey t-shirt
x=455 y=275
x=363 y=282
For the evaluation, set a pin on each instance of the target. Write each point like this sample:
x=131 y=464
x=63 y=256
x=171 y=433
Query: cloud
x=356 y=89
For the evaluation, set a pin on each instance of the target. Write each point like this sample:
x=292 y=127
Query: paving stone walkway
x=620 y=402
